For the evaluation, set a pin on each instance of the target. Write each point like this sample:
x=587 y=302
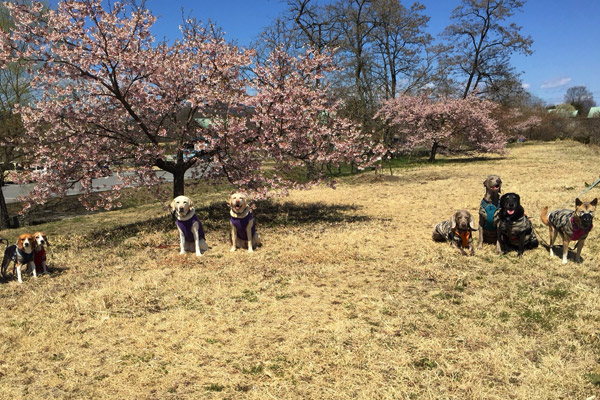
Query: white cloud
x=526 y=86
x=556 y=82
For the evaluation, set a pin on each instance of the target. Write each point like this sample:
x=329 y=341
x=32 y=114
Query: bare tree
x=401 y=43
x=483 y=41
x=580 y=98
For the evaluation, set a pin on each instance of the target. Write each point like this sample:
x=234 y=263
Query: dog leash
x=589 y=187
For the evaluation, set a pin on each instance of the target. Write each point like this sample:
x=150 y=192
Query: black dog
x=513 y=227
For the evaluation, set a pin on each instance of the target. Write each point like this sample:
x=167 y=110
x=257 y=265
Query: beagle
x=39 y=252
x=21 y=253
x=243 y=226
x=191 y=233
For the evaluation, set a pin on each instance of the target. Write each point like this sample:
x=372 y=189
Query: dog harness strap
x=241 y=224
x=578 y=231
x=186 y=228
x=464 y=237
x=24 y=258
x=490 y=210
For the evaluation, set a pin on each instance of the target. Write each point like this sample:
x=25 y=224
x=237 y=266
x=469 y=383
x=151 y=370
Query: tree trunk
x=434 y=149
x=5 y=220
x=178 y=183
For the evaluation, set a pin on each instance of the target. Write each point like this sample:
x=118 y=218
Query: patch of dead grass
x=348 y=298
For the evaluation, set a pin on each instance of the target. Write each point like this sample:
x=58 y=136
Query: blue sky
x=565 y=35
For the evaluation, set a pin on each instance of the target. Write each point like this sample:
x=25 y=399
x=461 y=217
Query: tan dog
x=243 y=226
x=572 y=225
x=457 y=231
x=39 y=253
x=22 y=255
x=191 y=233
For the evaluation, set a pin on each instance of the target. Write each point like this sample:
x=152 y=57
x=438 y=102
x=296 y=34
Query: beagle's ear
x=46 y=240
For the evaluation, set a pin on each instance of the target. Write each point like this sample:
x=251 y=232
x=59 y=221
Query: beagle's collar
x=241 y=214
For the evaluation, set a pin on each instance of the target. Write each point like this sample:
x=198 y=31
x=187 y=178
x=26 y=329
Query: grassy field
x=348 y=298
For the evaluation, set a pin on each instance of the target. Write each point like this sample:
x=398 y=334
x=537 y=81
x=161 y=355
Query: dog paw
x=232 y=249
x=250 y=251
x=564 y=261
x=198 y=254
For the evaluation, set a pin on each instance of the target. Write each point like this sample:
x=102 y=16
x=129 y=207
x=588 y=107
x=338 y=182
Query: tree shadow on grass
x=215 y=217
x=463 y=160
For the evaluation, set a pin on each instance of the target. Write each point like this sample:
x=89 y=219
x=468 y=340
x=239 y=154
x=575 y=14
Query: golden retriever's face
x=26 y=242
x=41 y=240
x=238 y=202
x=181 y=205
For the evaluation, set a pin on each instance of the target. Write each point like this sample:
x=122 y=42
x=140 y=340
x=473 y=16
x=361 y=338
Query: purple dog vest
x=186 y=228
x=241 y=224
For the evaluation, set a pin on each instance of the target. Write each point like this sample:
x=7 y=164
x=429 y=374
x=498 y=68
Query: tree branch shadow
x=215 y=217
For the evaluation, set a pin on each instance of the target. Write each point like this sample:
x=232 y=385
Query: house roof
x=594 y=112
x=564 y=112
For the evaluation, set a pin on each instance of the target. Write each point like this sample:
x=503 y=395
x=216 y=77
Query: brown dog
x=572 y=225
x=457 y=231
x=488 y=206
x=243 y=226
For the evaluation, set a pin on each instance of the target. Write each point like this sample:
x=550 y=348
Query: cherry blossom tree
x=114 y=100
x=289 y=87
x=454 y=124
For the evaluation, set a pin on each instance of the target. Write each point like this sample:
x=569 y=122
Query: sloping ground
x=348 y=298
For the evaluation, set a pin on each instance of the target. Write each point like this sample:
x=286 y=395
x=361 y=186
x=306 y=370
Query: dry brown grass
x=348 y=298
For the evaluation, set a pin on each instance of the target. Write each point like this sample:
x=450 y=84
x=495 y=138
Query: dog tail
x=544 y=216
x=9 y=254
x=4 y=267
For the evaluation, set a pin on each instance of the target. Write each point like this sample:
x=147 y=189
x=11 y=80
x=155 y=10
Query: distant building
x=594 y=112
x=563 y=112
